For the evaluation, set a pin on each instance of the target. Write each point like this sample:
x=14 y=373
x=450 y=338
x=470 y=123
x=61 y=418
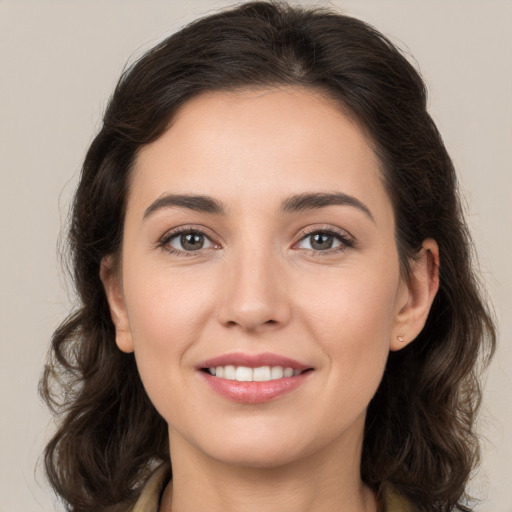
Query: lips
x=249 y=378
x=253 y=361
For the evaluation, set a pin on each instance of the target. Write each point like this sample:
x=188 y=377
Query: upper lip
x=253 y=361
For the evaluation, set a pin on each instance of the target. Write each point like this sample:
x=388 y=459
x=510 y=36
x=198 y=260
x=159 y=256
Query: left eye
x=322 y=241
x=189 y=241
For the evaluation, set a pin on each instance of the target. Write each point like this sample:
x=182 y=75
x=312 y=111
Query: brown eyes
x=188 y=241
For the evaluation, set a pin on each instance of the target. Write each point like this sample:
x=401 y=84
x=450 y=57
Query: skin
x=258 y=286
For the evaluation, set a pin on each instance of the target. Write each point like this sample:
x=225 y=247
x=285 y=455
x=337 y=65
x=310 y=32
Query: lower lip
x=254 y=392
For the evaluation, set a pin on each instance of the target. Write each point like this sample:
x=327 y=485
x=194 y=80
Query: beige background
x=59 y=61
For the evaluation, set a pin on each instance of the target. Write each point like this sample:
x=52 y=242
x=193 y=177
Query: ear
x=111 y=280
x=416 y=296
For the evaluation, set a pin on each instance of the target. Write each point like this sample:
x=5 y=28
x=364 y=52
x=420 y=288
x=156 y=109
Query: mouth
x=253 y=379
x=258 y=374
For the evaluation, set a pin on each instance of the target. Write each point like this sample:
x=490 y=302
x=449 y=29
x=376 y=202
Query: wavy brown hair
x=419 y=434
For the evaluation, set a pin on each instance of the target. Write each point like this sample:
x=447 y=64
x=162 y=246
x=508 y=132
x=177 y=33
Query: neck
x=325 y=481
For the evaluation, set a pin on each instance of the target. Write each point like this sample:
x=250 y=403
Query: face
x=259 y=283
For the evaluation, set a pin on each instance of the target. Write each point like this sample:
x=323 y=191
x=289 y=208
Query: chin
x=249 y=456
x=260 y=448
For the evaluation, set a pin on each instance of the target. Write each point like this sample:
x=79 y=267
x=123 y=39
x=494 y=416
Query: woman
x=277 y=297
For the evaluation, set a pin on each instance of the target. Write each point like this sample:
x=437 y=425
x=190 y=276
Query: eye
x=324 y=240
x=189 y=240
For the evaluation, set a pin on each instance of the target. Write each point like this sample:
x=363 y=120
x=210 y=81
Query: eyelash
x=166 y=239
x=347 y=242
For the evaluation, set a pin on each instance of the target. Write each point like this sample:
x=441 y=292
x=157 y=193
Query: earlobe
x=114 y=292
x=420 y=291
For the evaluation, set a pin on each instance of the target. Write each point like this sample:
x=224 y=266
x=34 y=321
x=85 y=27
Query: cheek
x=167 y=316
x=356 y=305
x=165 y=306
x=353 y=322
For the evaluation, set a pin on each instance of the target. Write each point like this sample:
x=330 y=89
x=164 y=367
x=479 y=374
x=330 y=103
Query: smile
x=247 y=374
x=253 y=378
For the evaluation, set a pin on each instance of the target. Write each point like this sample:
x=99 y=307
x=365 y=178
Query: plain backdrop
x=59 y=62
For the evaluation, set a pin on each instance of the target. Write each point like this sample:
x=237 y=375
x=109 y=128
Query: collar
x=149 y=500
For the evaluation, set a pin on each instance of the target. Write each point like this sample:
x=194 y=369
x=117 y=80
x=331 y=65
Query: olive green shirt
x=149 y=500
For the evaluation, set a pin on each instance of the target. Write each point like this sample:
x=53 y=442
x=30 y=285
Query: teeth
x=259 y=374
x=230 y=372
x=276 y=372
x=243 y=374
x=288 y=372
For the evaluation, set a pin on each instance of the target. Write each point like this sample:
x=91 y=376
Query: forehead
x=259 y=143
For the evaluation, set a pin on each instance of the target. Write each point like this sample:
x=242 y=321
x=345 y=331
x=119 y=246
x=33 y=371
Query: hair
x=419 y=434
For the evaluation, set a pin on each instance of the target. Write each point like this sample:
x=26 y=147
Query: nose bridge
x=254 y=293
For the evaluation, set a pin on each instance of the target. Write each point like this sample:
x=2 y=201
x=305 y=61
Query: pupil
x=322 y=241
x=192 y=241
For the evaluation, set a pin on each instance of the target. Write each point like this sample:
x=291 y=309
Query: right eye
x=187 y=241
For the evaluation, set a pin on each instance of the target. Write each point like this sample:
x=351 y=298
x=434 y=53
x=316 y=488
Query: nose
x=254 y=296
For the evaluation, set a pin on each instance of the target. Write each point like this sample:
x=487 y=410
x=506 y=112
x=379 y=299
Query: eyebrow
x=297 y=203
x=318 y=200
x=198 y=203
